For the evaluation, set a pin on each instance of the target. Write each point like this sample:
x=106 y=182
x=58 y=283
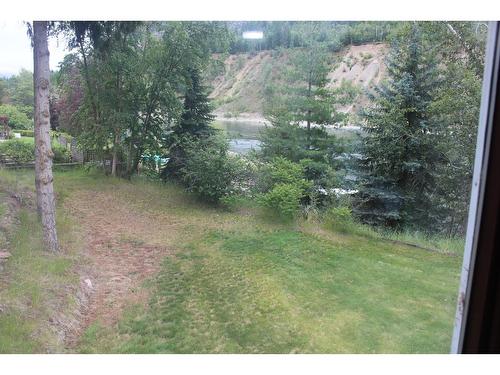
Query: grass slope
x=284 y=291
x=237 y=282
x=36 y=287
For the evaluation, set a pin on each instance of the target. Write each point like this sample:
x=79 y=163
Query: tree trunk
x=129 y=160
x=137 y=160
x=43 y=150
x=308 y=130
x=309 y=89
x=115 y=155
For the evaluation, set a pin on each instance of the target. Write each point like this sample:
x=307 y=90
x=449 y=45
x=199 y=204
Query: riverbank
x=256 y=119
x=250 y=118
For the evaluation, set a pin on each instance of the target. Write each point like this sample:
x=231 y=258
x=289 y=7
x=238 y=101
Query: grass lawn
x=283 y=291
x=238 y=282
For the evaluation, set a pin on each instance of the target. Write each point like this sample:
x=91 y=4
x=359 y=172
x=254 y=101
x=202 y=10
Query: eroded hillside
x=246 y=80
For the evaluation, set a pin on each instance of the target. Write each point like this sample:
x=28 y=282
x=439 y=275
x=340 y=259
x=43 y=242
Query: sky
x=16 y=52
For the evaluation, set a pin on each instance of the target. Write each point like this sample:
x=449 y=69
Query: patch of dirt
x=118 y=260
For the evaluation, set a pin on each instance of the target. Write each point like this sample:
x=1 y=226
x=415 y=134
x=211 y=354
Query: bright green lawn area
x=284 y=291
x=30 y=140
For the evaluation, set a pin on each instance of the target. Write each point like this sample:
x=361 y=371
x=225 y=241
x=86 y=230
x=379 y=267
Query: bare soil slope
x=240 y=91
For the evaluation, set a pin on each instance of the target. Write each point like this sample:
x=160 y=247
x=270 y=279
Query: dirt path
x=117 y=258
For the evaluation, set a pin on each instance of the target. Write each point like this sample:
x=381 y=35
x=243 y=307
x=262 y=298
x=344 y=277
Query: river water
x=244 y=135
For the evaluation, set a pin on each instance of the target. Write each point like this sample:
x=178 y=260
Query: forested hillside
x=243 y=83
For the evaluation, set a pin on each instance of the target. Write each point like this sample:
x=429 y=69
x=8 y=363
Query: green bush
x=23 y=151
x=61 y=154
x=283 y=187
x=283 y=199
x=17 y=119
x=24 y=132
x=210 y=171
x=320 y=172
x=282 y=171
x=27 y=110
x=18 y=150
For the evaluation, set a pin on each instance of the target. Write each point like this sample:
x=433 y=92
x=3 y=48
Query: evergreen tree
x=300 y=109
x=401 y=147
x=309 y=99
x=194 y=123
x=456 y=109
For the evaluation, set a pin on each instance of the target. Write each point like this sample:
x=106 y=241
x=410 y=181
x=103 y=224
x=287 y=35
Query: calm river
x=244 y=135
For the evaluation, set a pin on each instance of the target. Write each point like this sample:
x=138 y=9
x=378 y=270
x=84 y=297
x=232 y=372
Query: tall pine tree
x=300 y=109
x=401 y=146
x=194 y=122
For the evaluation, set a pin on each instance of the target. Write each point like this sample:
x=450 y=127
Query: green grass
x=282 y=291
x=237 y=282
x=35 y=289
x=450 y=245
x=30 y=140
x=35 y=285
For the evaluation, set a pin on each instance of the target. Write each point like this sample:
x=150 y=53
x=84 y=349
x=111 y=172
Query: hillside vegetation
x=241 y=83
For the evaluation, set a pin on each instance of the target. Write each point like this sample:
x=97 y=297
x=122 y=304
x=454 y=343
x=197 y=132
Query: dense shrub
x=23 y=151
x=61 y=154
x=18 y=150
x=17 y=119
x=210 y=171
x=24 y=132
x=284 y=187
x=283 y=199
x=282 y=171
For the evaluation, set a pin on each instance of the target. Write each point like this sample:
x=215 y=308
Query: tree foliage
x=132 y=74
x=300 y=109
x=209 y=170
x=195 y=122
x=420 y=147
x=16 y=118
x=291 y=34
x=456 y=110
x=400 y=148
